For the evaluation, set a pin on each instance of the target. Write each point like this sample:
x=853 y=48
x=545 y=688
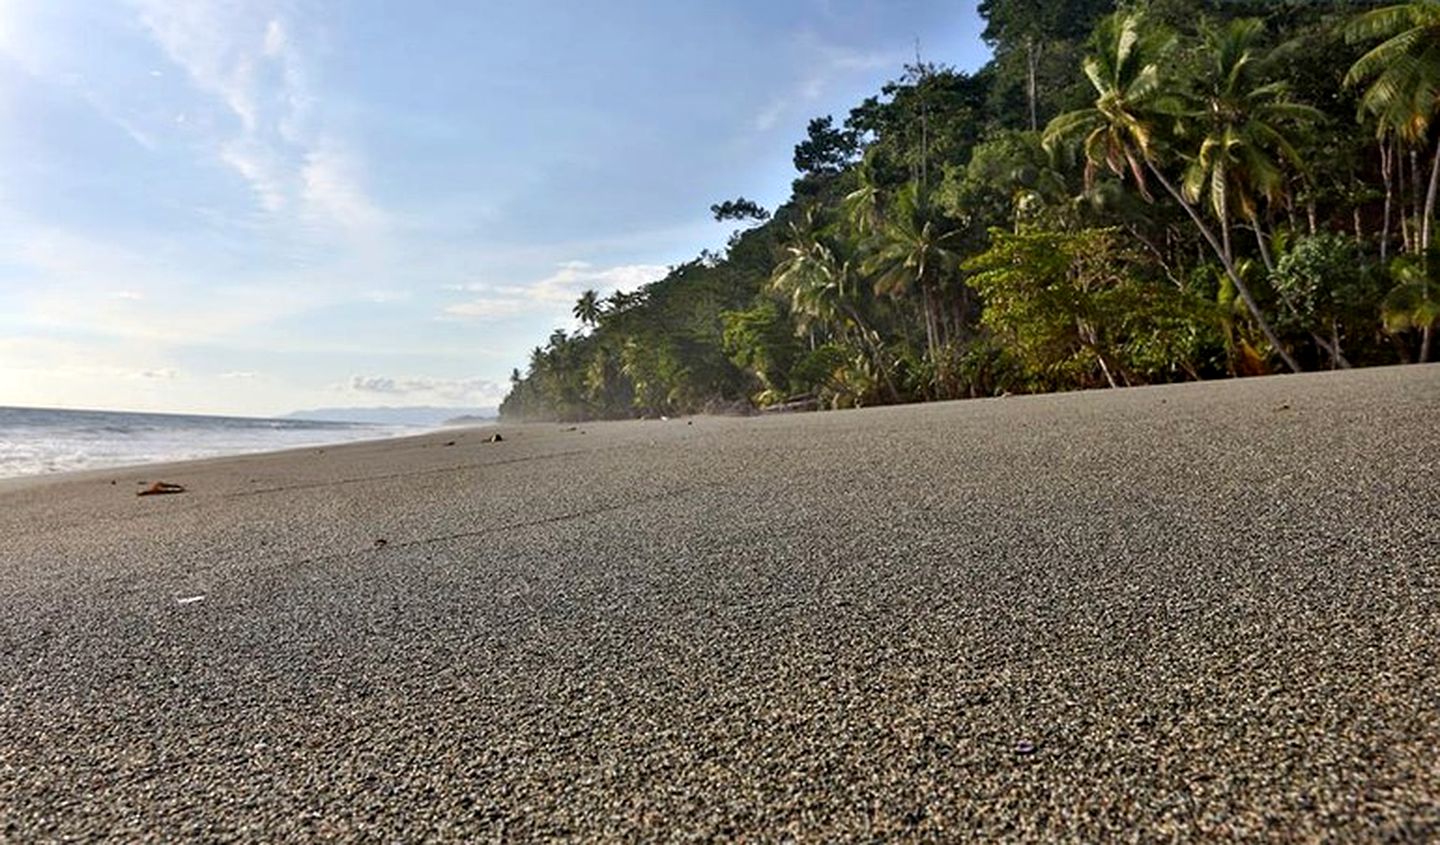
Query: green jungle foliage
x=1128 y=193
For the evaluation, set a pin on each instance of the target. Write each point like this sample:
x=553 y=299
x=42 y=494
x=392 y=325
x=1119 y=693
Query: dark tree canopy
x=739 y=209
x=826 y=149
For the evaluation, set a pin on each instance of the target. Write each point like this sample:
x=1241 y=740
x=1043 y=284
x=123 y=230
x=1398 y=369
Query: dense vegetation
x=1126 y=194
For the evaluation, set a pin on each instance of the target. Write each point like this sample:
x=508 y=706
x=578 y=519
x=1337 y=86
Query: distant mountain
x=418 y=415
x=472 y=419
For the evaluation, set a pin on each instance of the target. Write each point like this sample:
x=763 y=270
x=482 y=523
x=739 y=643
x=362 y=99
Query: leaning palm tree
x=588 y=308
x=1243 y=125
x=1124 y=130
x=914 y=253
x=1402 y=78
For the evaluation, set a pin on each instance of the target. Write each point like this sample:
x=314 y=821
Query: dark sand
x=1196 y=611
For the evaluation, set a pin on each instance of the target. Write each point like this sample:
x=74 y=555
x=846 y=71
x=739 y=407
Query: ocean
x=34 y=441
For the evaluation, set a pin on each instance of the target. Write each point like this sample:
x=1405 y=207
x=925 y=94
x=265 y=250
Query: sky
x=257 y=206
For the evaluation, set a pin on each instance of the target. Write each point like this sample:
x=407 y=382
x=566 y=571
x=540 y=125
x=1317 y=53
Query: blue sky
x=253 y=207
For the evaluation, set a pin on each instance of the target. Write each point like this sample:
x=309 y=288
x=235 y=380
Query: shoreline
x=129 y=468
x=497 y=425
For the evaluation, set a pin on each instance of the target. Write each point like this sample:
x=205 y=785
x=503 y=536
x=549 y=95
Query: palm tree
x=913 y=253
x=820 y=285
x=864 y=206
x=1123 y=130
x=1243 y=123
x=822 y=288
x=1403 y=76
x=588 y=309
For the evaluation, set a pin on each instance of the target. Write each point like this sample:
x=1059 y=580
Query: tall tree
x=1125 y=130
x=1244 y=120
x=1402 y=78
x=1028 y=29
x=914 y=254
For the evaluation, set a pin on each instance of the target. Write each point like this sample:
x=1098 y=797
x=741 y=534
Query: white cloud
x=160 y=374
x=274 y=38
x=249 y=59
x=576 y=277
x=455 y=390
x=256 y=165
x=555 y=293
x=490 y=309
x=239 y=375
x=330 y=188
x=207 y=40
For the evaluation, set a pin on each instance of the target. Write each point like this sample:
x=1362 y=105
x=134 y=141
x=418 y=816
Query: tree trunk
x=1109 y=379
x=1264 y=247
x=1240 y=286
x=1425 y=345
x=1387 y=168
x=1091 y=339
x=929 y=322
x=1031 y=59
x=1407 y=244
x=1337 y=359
x=1430 y=200
x=1416 y=201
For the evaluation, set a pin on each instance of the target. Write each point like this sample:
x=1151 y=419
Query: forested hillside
x=1163 y=191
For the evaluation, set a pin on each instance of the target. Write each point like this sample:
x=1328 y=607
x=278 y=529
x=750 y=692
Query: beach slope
x=1199 y=610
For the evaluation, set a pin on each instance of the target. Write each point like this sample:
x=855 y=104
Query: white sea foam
x=35 y=441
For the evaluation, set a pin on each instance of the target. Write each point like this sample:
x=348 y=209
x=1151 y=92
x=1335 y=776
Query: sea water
x=39 y=440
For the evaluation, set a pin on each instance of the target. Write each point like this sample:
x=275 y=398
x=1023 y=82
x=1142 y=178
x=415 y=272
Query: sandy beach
x=1192 y=611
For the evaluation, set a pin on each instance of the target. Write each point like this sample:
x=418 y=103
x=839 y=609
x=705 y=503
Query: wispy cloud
x=331 y=190
x=453 y=390
x=555 y=292
x=250 y=60
x=824 y=64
